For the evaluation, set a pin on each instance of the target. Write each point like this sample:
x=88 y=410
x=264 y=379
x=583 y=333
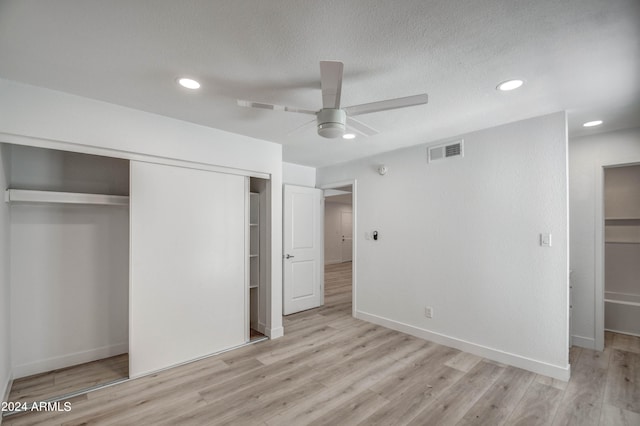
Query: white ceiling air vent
x=450 y=149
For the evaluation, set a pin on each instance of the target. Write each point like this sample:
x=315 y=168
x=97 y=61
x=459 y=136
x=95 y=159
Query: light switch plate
x=545 y=240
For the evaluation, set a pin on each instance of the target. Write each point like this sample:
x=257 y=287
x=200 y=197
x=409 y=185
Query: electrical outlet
x=428 y=312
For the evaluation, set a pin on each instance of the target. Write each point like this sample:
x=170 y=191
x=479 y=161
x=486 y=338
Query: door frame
x=354 y=245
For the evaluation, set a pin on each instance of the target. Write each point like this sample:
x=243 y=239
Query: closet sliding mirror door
x=187 y=284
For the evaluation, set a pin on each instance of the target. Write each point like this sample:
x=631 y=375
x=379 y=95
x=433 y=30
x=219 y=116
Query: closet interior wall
x=69 y=267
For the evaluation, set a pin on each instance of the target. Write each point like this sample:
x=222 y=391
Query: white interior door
x=302 y=261
x=346 y=224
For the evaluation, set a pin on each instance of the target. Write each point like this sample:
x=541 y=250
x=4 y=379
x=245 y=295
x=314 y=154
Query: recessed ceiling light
x=188 y=83
x=592 y=123
x=505 y=86
x=348 y=136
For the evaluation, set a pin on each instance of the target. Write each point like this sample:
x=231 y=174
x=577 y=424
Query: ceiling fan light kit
x=188 y=83
x=332 y=120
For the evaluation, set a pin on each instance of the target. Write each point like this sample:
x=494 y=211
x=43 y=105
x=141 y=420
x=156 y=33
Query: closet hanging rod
x=32 y=196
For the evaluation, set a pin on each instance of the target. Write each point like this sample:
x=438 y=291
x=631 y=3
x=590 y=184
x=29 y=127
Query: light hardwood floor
x=331 y=369
x=64 y=381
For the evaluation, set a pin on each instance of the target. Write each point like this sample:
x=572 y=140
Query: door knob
x=289 y=256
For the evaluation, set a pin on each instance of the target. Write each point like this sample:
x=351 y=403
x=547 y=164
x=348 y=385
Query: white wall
x=49 y=118
x=52 y=170
x=462 y=236
x=295 y=174
x=588 y=156
x=69 y=263
x=69 y=285
x=333 y=230
x=5 y=333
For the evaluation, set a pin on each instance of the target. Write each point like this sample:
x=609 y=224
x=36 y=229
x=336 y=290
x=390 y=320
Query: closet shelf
x=622 y=218
x=32 y=196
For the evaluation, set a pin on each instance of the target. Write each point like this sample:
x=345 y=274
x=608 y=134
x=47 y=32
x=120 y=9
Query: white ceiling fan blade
x=302 y=126
x=387 y=105
x=360 y=127
x=331 y=83
x=260 y=105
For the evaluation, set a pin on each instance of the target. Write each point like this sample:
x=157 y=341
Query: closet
x=258 y=198
x=69 y=271
x=160 y=262
x=622 y=249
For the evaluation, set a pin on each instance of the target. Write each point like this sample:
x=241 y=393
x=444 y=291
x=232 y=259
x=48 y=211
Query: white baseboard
x=68 y=360
x=623 y=332
x=261 y=328
x=275 y=332
x=583 y=342
x=539 y=367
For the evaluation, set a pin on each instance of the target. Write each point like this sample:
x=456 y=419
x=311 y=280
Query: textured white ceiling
x=582 y=56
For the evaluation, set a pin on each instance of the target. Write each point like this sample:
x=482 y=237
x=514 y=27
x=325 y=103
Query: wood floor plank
x=550 y=381
x=582 y=400
x=453 y=404
x=63 y=381
x=464 y=361
x=314 y=406
x=623 y=382
x=500 y=400
x=418 y=394
x=537 y=407
x=614 y=416
x=353 y=411
x=224 y=408
x=625 y=342
x=420 y=371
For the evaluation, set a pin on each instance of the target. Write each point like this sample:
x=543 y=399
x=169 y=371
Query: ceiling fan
x=332 y=119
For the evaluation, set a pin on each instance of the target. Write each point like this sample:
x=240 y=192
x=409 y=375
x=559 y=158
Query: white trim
x=33 y=196
x=69 y=360
x=568 y=292
x=598 y=265
x=583 y=342
x=539 y=367
x=127 y=155
x=274 y=333
x=622 y=332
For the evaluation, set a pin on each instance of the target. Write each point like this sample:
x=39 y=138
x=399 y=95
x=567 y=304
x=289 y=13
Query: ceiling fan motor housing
x=331 y=122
